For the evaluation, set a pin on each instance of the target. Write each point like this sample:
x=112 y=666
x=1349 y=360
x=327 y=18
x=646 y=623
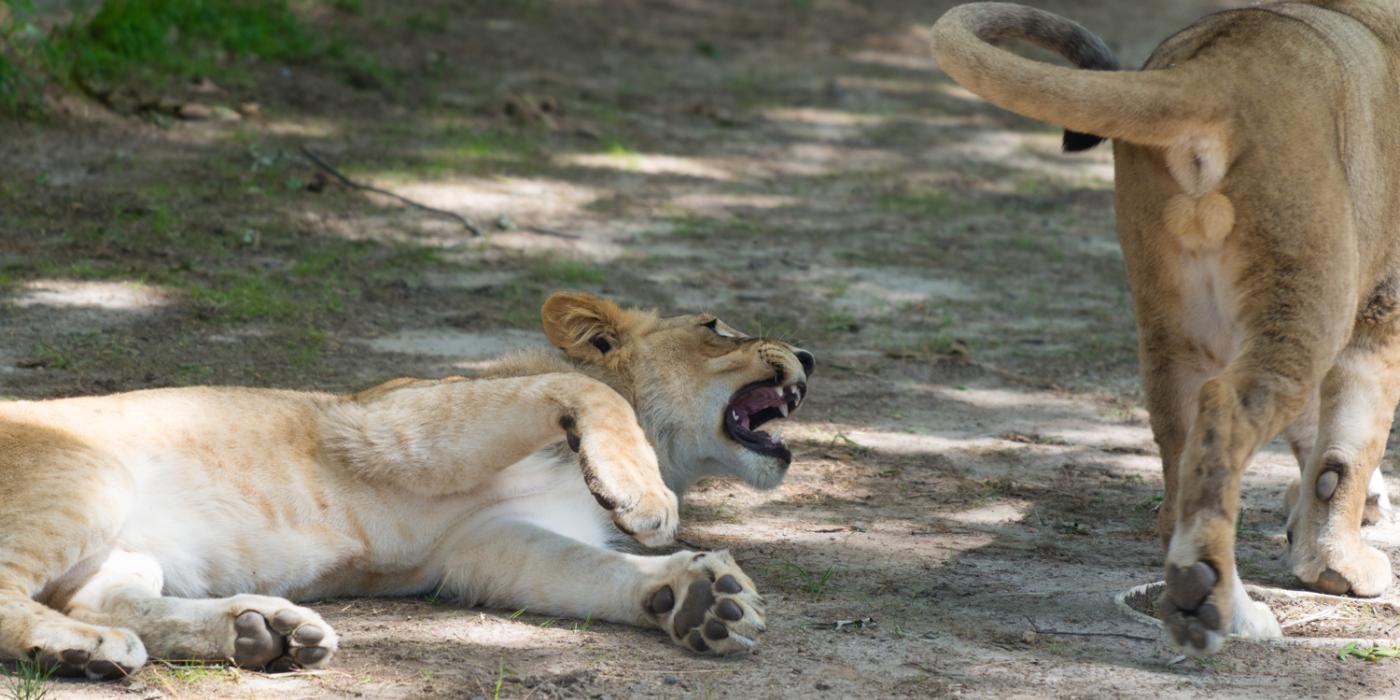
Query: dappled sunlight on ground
x=109 y=296
x=652 y=164
x=973 y=453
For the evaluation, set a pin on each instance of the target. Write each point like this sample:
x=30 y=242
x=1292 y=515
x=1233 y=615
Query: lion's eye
x=712 y=324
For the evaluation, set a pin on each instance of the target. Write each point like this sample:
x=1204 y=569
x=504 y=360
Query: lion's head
x=702 y=390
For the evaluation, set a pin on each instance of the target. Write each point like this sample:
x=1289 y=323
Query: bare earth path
x=973 y=465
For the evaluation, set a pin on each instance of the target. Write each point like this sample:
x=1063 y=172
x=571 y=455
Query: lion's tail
x=1156 y=107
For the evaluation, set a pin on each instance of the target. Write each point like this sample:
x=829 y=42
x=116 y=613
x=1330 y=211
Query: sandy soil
x=975 y=479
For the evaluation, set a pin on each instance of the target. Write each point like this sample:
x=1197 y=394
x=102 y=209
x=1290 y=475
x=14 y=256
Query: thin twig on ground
x=352 y=184
x=551 y=232
x=1061 y=633
x=1323 y=614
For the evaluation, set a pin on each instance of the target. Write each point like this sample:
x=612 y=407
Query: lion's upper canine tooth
x=783 y=409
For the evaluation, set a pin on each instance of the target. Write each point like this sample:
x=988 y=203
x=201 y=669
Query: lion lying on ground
x=181 y=523
x=1258 y=200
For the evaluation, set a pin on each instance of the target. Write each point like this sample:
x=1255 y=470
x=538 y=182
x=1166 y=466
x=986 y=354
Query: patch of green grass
x=247 y=298
x=583 y=626
x=841 y=322
x=565 y=273
x=435 y=22
x=27 y=681
x=196 y=674
x=749 y=89
x=145 y=38
x=48 y=356
x=460 y=149
x=500 y=678
x=929 y=346
x=630 y=157
x=921 y=203
x=809 y=580
x=149 y=42
x=996 y=488
x=24 y=51
x=1152 y=502
x=1039 y=246
x=1373 y=654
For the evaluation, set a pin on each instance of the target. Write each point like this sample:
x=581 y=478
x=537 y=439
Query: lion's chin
x=762 y=472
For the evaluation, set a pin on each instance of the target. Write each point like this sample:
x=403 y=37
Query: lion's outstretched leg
x=1359 y=396
x=250 y=631
x=61 y=502
x=702 y=600
x=452 y=436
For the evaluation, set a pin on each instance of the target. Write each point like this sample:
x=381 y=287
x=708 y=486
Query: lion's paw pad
x=712 y=608
x=1190 y=615
x=285 y=640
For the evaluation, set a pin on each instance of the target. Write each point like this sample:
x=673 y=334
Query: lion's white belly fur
x=212 y=540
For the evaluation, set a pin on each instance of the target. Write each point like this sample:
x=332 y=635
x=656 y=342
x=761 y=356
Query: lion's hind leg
x=61 y=503
x=249 y=631
x=1359 y=396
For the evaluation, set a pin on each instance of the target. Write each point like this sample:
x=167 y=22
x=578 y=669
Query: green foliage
x=28 y=681
x=566 y=273
x=810 y=580
x=1372 y=654
x=21 y=48
x=153 y=40
x=129 y=38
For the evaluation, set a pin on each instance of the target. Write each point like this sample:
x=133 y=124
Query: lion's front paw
x=710 y=607
x=275 y=635
x=72 y=649
x=620 y=470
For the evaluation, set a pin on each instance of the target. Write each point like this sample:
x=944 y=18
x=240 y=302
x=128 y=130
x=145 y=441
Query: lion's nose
x=809 y=363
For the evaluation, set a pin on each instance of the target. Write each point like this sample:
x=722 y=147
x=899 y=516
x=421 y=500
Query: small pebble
x=670 y=679
x=224 y=114
x=858 y=525
x=194 y=111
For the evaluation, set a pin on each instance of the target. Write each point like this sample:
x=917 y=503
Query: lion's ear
x=582 y=325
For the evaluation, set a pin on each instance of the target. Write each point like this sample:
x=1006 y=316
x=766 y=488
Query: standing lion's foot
x=1199 y=610
x=272 y=634
x=709 y=606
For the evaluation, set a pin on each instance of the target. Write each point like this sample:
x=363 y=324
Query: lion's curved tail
x=1156 y=107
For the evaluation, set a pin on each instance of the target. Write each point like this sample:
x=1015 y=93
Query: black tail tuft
x=1075 y=142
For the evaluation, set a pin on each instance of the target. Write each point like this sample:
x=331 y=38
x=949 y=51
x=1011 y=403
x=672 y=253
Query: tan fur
x=1258 y=200
x=177 y=523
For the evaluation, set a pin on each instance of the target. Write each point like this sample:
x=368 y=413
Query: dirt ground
x=974 y=477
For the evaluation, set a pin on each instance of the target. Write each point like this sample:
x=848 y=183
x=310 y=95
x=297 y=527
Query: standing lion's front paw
x=710 y=606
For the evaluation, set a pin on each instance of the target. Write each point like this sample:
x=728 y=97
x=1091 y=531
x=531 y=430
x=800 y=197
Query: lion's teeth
x=783 y=409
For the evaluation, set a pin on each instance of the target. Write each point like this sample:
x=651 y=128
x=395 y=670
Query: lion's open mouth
x=757 y=404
